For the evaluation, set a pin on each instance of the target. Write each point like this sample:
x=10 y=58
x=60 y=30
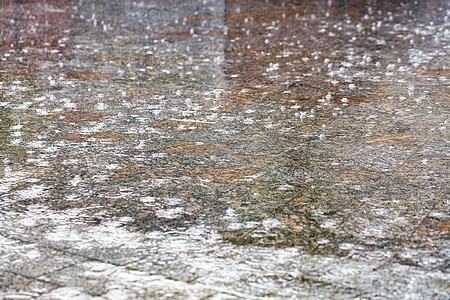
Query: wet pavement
x=224 y=149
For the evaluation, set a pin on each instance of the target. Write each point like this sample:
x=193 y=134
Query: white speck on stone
x=101 y=106
x=230 y=214
x=235 y=226
x=285 y=187
x=32 y=192
x=271 y=223
x=76 y=180
x=390 y=67
x=17 y=127
x=148 y=199
x=170 y=213
x=33 y=254
x=323 y=241
x=174 y=201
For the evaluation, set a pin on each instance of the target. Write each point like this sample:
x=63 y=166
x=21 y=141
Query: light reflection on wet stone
x=147 y=144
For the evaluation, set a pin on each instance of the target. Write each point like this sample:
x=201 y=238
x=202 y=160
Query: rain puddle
x=224 y=149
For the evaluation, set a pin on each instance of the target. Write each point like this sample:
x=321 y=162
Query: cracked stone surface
x=212 y=149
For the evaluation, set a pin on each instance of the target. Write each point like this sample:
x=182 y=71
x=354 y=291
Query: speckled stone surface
x=224 y=149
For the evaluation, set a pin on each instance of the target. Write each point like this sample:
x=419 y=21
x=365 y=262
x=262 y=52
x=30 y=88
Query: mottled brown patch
x=292 y=223
x=178 y=34
x=127 y=171
x=222 y=175
x=434 y=71
x=76 y=137
x=352 y=100
x=435 y=228
x=88 y=76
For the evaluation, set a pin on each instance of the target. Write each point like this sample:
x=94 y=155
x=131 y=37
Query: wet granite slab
x=224 y=149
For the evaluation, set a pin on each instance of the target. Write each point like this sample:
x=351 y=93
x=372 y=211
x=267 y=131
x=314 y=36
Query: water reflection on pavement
x=224 y=149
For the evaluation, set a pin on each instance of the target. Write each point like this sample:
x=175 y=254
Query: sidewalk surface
x=212 y=149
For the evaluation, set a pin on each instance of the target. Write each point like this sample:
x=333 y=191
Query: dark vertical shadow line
x=17 y=17
x=226 y=11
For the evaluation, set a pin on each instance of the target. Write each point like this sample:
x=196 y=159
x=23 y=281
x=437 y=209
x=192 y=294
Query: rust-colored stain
x=299 y=199
x=292 y=223
x=179 y=34
x=234 y=33
x=127 y=171
x=435 y=228
x=235 y=17
x=240 y=99
x=89 y=76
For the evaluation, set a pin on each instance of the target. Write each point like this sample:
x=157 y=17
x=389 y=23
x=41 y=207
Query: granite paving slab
x=224 y=149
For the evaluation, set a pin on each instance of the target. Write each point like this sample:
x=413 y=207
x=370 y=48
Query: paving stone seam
x=285 y=204
x=437 y=200
x=396 y=254
x=57 y=285
x=405 y=166
x=344 y=220
x=47 y=246
x=88 y=258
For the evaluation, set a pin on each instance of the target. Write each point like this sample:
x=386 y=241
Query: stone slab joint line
x=414 y=230
x=44 y=278
x=68 y=253
x=299 y=193
x=441 y=197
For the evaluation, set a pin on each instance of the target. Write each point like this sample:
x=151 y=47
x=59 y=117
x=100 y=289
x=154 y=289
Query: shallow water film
x=224 y=149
